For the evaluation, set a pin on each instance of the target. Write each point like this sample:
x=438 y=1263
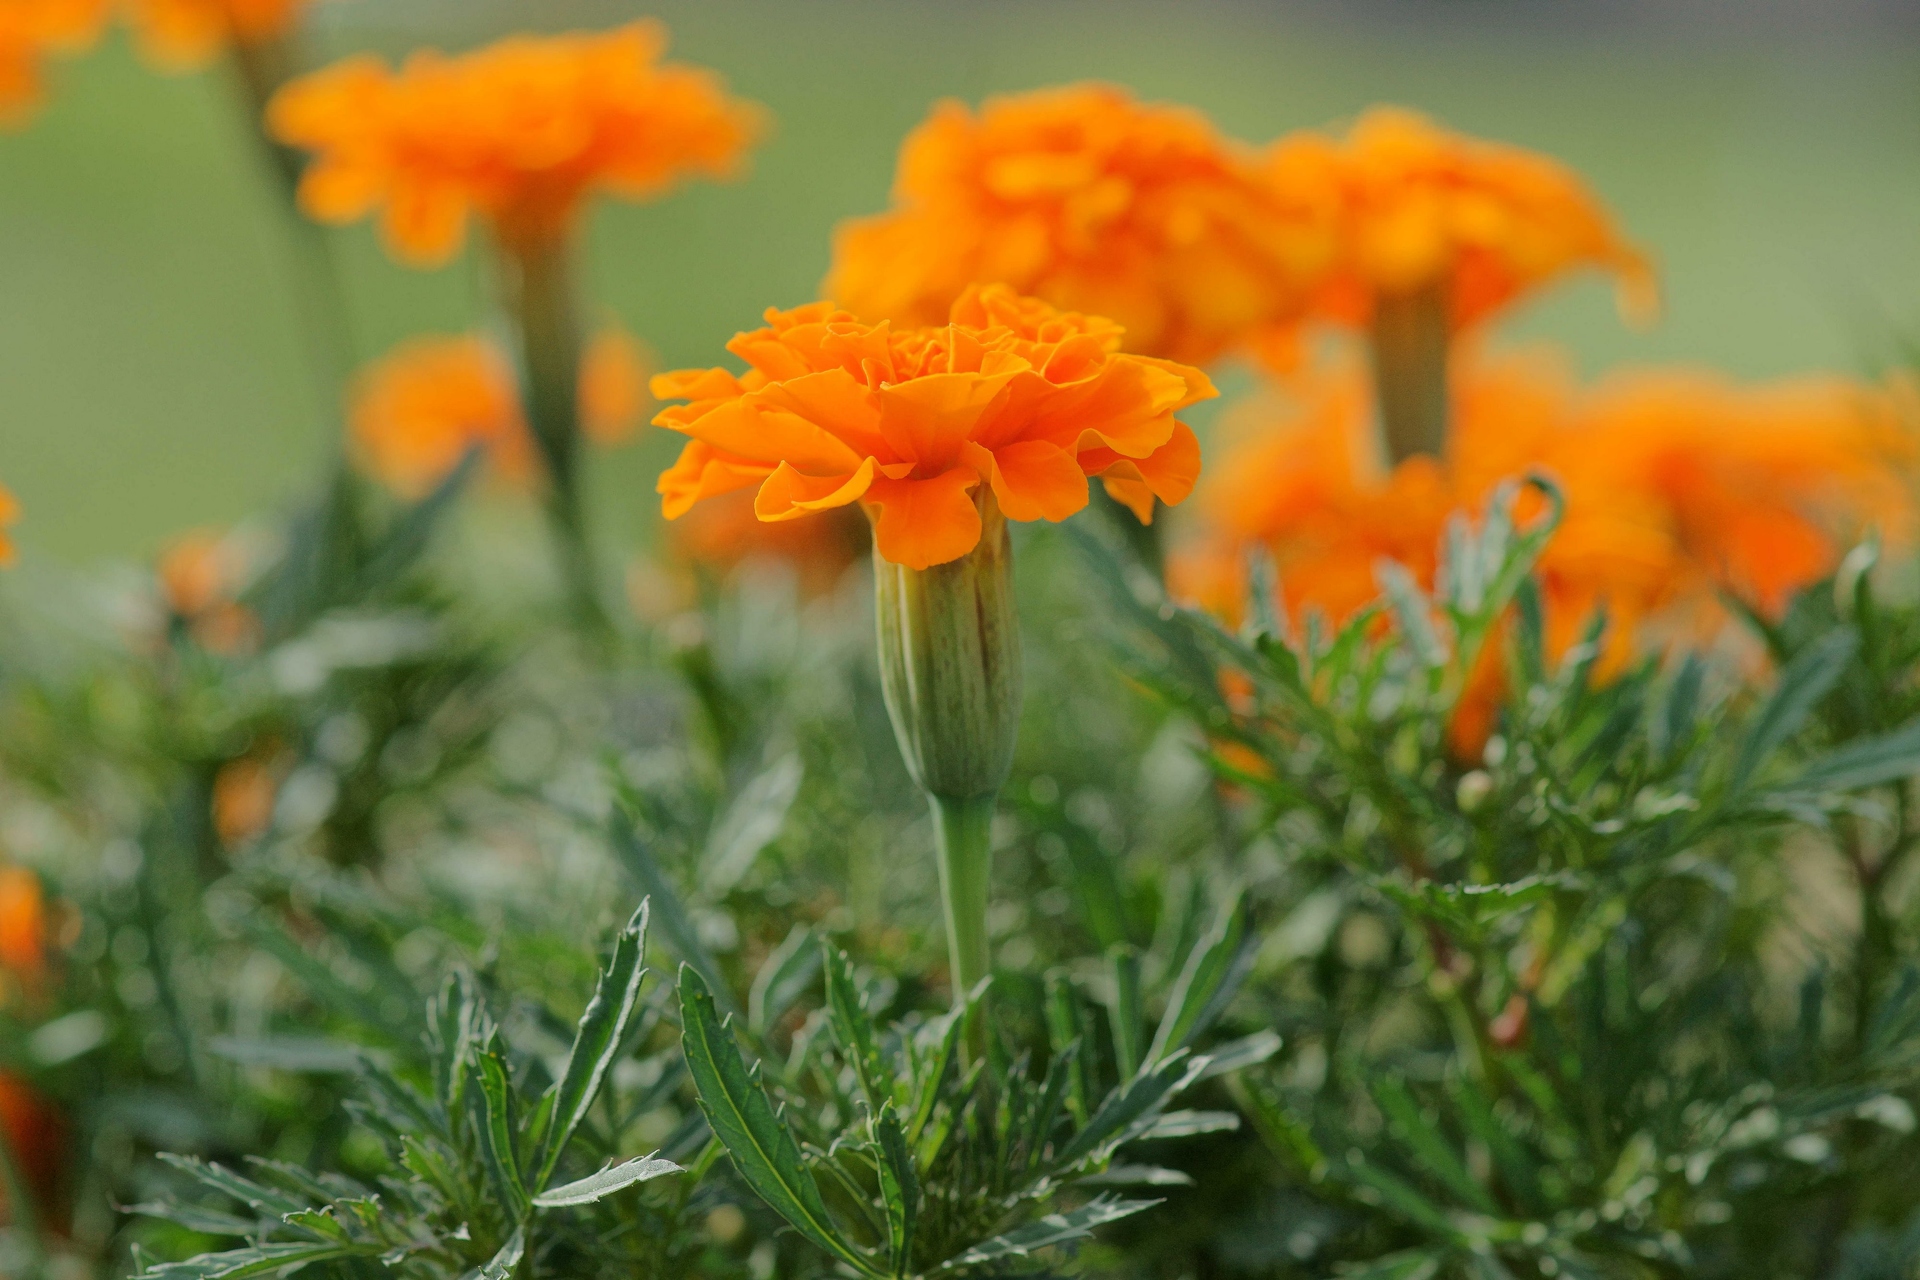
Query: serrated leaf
x=503 y=1263
x=1055 y=1228
x=853 y=1030
x=262 y=1198
x=899 y=1188
x=490 y=1104
x=1127 y=1106
x=595 y=1042
x=1412 y=613
x=258 y=1260
x=606 y=1182
x=194 y=1217
x=758 y=1141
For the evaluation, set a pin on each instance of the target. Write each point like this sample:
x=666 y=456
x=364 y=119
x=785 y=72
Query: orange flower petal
x=926 y=522
x=1033 y=479
x=787 y=493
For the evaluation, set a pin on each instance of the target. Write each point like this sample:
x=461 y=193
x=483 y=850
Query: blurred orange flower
x=24 y=929
x=723 y=532
x=201 y=573
x=37 y=1135
x=1094 y=201
x=519 y=132
x=1010 y=393
x=1678 y=485
x=9 y=515
x=185 y=34
x=416 y=413
x=244 y=792
x=30 y=31
x=1418 y=207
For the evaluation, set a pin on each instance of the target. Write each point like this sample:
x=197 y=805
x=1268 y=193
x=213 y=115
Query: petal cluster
x=417 y=413
x=190 y=33
x=30 y=32
x=1096 y=202
x=1008 y=393
x=1415 y=207
x=518 y=133
x=1679 y=486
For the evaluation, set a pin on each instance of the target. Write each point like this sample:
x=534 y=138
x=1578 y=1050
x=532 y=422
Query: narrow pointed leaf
x=606 y=1182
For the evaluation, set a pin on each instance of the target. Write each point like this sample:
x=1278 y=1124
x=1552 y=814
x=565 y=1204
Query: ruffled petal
x=788 y=494
x=701 y=472
x=929 y=419
x=1169 y=474
x=926 y=522
x=1032 y=479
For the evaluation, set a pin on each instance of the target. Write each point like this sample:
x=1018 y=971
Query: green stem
x=542 y=316
x=1410 y=336
x=963 y=840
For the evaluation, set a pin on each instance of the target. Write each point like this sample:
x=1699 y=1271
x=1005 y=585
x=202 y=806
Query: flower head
x=520 y=132
x=1418 y=207
x=1093 y=201
x=1009 y=393
x=416 y=413
x=201 y=574
x=30 y=31
x=24 y=929
x=189 y=33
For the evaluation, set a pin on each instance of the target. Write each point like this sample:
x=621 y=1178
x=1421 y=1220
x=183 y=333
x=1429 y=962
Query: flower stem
x=963 y=841
x=1410 y=342
x=541 y=313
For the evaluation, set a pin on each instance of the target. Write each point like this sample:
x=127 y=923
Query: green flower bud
x=950 y=663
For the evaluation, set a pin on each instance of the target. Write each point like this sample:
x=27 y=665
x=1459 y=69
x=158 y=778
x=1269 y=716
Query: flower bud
x=950 y=662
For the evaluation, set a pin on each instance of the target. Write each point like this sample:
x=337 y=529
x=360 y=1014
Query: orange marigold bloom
x=1010 y=392
x=190 y=33
x=1678 y=485
x=1419 y=207
x=416 y=413
x=30 y=31
x=1096 y=202
x=519 y=132
x=37 y=1135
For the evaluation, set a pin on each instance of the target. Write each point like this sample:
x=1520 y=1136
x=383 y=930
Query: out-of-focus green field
x=151 y=368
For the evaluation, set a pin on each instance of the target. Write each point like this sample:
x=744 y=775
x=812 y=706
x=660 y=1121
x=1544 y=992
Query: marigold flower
x=200 y=574
x=1419 y=208
x=1010 y=393
x=30 y=31
x=244 y=794
x=1096 y=202
x=519 y=132
x=416 y=413
x=184 y=34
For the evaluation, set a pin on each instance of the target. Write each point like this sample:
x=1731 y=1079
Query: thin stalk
x=963 y=843
x=541 y=314
x=1410 y=341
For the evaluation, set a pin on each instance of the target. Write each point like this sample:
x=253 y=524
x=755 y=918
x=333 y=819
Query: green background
x=151 y=367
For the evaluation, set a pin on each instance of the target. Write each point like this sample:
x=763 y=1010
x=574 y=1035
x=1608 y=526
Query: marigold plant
x=1011 y=393
x=1094 y=201
x=416 y=413
x=30 y=32
x=519 y=132
x=190 y=33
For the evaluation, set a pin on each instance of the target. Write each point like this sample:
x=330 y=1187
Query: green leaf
x=1802 y=684
x=262 y=1198
x=1135 y=1101
x=504 y=1262
x=782 y=980
x=1137 y=1175
x=490 y=1103
x=1413 y=1264
x=1428 y=1147
x=669 y=914
x=750 y=824
x=853 y=1029
x=604 y=1183
x=1183 y=1124
x=595 y=1042
x=194 y=1217
x=1126 y=1017
x=1238 y=1055
x=1412 y=613
x=1868 y=762
x=899 y=1188
x=408 y=536
x=759 y=1142
x=1206 y=984
x=302 y=1054
x=1066 y=1029
x=256 y=1261
x=1055 y=1228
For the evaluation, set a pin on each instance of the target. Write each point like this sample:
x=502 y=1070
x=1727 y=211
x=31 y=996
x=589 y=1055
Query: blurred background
x=151 y=370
